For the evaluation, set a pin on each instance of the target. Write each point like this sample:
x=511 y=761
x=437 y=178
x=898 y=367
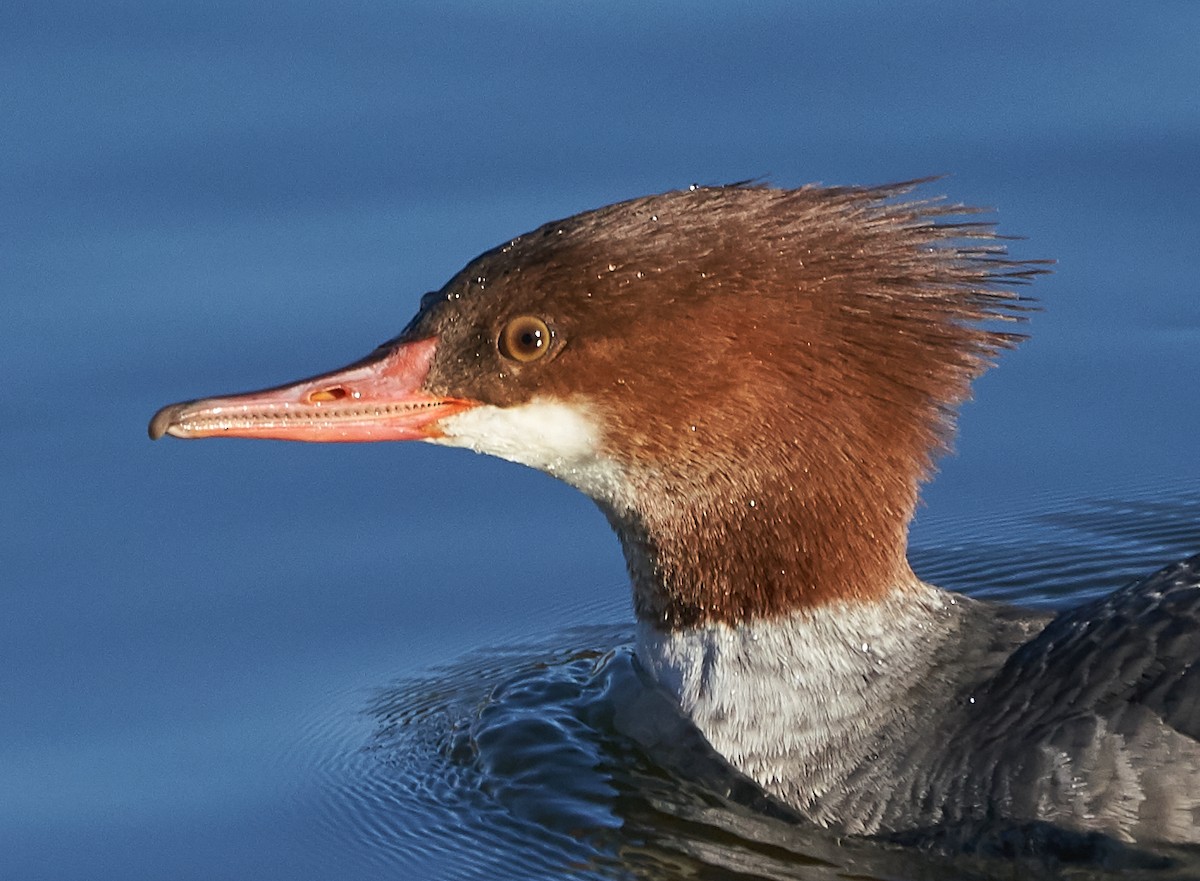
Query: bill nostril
x=333 y=393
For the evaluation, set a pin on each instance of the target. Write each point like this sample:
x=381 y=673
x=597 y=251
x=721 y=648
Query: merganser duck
x=752 y=383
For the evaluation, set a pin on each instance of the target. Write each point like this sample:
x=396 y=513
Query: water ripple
x=554 y=759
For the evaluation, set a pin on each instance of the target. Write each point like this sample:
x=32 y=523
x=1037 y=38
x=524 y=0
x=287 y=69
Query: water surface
x=259 y=660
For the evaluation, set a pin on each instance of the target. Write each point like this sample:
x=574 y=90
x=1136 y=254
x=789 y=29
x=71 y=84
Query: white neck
x=798 y=703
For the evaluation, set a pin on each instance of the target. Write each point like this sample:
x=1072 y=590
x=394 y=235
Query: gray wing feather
x=1095 y=723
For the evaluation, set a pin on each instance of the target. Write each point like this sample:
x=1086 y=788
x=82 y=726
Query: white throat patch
x=559 y=438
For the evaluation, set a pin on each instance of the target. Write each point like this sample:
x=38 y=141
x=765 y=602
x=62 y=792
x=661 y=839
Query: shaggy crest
x=850 y=324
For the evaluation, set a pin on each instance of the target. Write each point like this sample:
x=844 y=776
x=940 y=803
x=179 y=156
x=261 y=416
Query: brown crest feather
x=775 y=370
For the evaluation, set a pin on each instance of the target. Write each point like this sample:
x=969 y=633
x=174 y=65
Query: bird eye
x=525 y=339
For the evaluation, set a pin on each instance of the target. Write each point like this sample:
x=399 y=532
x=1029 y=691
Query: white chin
x=559 y=438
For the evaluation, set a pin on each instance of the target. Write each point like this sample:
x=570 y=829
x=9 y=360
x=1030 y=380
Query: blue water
x=205 y=647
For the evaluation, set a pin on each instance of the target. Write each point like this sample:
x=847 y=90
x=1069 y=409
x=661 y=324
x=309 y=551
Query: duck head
x=750 y=382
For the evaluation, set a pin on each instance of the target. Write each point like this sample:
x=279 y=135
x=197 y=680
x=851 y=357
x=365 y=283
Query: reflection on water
x=553 y=759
